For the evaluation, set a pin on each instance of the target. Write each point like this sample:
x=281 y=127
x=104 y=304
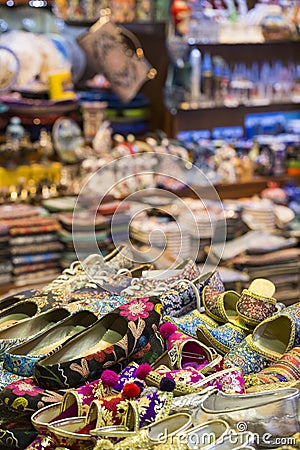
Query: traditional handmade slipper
x=221 y=306
x=188 y=381
x=116 y=416
x=21 y=311
x=22 y=358
x=31 y=326
x=286 y=369
x=271 y=413
x=185 y=351
x=222 y=337
x=75 y=402
x=165 y=428
x=270 y=340
x=186 y=295
x=112 y=340
x=257 y=303
x=16 y=430
x=206 y=435
x=272 y=386
x=188 y=323
x=25 y=395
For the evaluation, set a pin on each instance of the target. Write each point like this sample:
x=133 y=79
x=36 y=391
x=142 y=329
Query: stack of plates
x=259 y=215
x=162 y=233
x=201 y=224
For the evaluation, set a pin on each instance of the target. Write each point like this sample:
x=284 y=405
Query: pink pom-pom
x=142 y=371
x=109 y=378
x=131 y=390
x=167 y=329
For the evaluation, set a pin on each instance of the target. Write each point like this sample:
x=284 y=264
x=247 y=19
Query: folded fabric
x=30 y=221
x=253 y=241
x=13 y=211
x=3 y=230
x=5 y=267
x=18 y=270
x=18 y=260
x=36 y=248
x=6 y=279
x=65 y=236
x=33 y=239
x=4 y=239
x=278 y=257
x=82 y=221
x=34 y=229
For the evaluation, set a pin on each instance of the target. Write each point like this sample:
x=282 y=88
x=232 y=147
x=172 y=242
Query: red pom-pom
x=109 y=378
x=131 y=390
x=166 y=329
x=142 y=371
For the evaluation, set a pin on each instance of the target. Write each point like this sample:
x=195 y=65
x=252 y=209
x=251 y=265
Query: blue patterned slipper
x=222 y=338
x=189 y=323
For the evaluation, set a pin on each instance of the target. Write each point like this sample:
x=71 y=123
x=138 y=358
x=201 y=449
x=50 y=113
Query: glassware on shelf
x=201 y=28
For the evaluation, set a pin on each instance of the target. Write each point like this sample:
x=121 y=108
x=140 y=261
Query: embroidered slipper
x=112 y=340
x=75 y=402
x=257 y=303
x=221 y=306
x=222 y=338
x=286 y=369
x=169 y=427
x=117 y=416
x=270 y=340
x=185 y=351
x=22 y=358
x=188 y=323
x=26 y=395
x=188 y=381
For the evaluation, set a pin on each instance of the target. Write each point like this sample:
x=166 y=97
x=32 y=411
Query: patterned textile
x=189 y=323
x=18 y=270
x=7 y=377
x=16 y=430
x=27 y=259
x=34 y=229
x=36 y=248
x=33 y=239
x=222 y=338
x=138 y=321
x=254 y=308
x=25 y=395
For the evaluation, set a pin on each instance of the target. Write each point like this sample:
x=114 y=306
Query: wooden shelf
x=136 y=27
x=185 y=106
x=220 y=116
x=237 y=190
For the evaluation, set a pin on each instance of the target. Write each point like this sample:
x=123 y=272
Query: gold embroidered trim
x=259 y=297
